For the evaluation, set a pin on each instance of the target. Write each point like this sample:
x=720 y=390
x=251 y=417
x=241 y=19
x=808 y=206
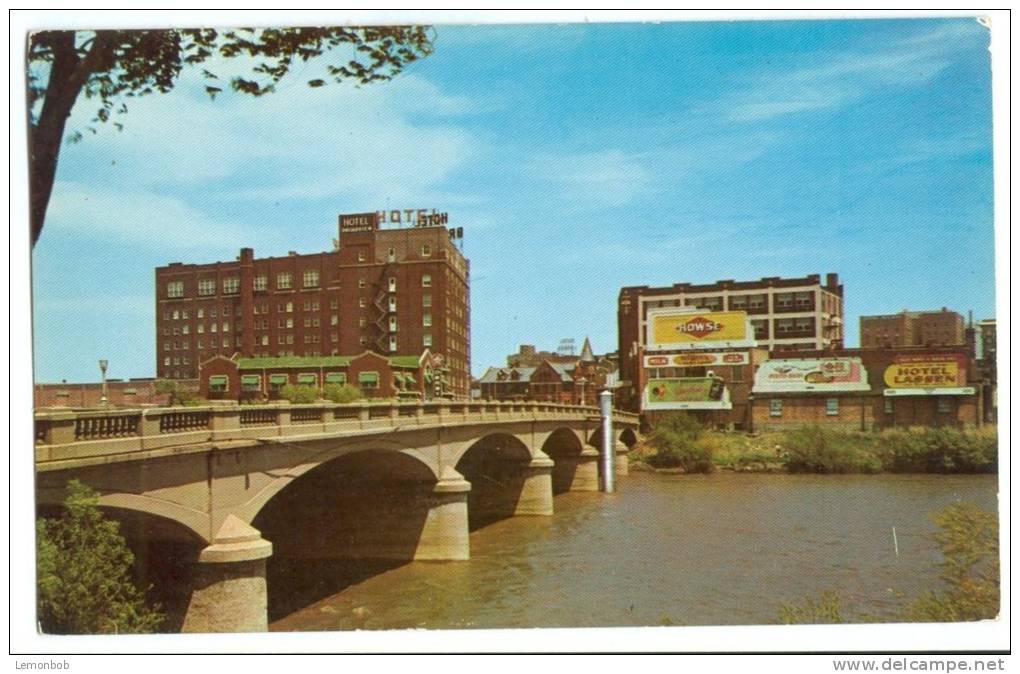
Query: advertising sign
x=693 y=329
x=686 y=393
x=698 y=359
x=358 y=222
x=811 y=374
x=926 y=371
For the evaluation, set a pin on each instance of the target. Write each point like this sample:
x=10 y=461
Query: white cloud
x=137 y=216
x=607 y=178
x=847 y=76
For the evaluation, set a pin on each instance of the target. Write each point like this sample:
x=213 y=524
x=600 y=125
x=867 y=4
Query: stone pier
x=536 y=493
x=586 y=476
x=445 y=534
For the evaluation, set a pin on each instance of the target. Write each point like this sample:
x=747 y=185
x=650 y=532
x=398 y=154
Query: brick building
x=390 y=291
x=913 y=328
x=119 y=393
x=559 y=378
x=781 y=315
x=869 y=389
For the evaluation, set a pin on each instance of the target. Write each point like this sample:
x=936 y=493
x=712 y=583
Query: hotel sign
x=414 y=217
x=694 y=329
x=358 y=222
x=697 y=359
x=926 y=371
x=811 y=374
x=686 y=393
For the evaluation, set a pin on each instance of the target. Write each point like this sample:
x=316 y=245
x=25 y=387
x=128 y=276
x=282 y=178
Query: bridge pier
x=229 y=582
x=536 y=496
x=445 y=533
x=622 y=461
x=586 y=476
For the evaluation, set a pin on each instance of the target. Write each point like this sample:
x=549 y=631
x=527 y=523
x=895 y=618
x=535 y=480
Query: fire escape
x=385 y=305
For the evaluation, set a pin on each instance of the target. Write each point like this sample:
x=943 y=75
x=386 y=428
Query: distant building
x=119 y=393
x=390 y=291
x=913 y=328
x=988 y=365
x=727 y=327
x=548 y=377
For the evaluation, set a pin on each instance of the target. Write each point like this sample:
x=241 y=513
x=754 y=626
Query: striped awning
x=308 y=379
x=336 y=378
x=250 y=380
x=368 y=378
x=218 y=380
x=278 y=379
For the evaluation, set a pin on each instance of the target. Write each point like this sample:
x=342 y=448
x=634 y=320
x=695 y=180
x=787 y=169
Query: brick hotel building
x=389 y=291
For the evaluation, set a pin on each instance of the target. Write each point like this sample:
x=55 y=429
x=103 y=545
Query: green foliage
x=968 y=537
x=826 y=610
x=178 y=393
x=938 y=450
x=675 y=439
x=816 y=449
x=299 y=394
x=84 y=573
x=341 y=393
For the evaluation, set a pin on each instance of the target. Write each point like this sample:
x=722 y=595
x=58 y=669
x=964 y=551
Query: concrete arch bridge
x=216 y=500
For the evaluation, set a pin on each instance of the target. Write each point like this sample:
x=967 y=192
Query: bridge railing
x=64 y=434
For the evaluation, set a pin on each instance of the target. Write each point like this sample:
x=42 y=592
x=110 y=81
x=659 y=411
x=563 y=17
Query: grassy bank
x=678 y=444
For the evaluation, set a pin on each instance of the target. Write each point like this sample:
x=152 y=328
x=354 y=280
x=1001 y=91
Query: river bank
x=681 y=447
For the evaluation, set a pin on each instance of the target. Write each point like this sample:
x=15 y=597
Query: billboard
x=799 y=375
x=693 y=329
x=686 y=393
x=698 y=359
x=926 y=371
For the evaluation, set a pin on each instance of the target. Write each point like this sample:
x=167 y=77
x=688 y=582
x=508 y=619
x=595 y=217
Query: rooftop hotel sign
x=690 y=328
x=927 y=374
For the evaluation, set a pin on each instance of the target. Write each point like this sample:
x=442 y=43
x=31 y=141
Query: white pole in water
x=608 y=445
x=896 y=544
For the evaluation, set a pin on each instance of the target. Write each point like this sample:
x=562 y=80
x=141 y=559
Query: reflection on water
x=689 y=550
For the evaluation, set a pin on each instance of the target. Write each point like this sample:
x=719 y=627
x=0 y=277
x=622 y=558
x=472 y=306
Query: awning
x=398 y=378
x=336 y=378
x=368 y=378
x=250 y=380
x=950 y=391
x=409 y=378
x=278 y=379
x=308 y=379
x=218 y=380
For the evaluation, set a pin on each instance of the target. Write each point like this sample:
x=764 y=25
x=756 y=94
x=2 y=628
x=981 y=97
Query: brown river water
x=724 y=549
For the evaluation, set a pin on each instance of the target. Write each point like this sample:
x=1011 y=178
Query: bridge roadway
x=208 y=497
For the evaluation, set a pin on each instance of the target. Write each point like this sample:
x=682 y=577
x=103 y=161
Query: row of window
x=754 y=302
x=185 y=345
x=943 y=405
x=184 y=314
x=231 y=285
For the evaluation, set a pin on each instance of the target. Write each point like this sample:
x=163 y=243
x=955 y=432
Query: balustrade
x=180 y=422
x=259 y=417
x=304 y=415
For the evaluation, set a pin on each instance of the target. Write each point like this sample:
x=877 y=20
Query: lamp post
x=582 y=381
x=102 y=368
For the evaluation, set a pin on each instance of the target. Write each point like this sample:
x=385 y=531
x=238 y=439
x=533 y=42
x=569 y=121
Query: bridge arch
x=496 y=465
x=342 y=521
x=565 y=448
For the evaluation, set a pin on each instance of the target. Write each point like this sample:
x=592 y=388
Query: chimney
x=831 y=280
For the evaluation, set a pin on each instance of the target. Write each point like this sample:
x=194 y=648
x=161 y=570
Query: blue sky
x=579 y=158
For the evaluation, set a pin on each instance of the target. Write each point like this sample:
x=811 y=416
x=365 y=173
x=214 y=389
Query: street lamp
x=582 y=381
x=102 y=368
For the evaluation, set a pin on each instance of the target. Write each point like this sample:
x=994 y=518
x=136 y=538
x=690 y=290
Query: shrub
x=826 y=610
x=815 y=449
x=675 y=439
x=938 y=450
x=341 y=393
x=83 y=567
x=968 y=537
x=299 y=394
x=177 y=393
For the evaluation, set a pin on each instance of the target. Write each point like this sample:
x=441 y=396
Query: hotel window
x=361 y=283
x=761 y=329
x=361 y=257
x=207 y=286
x=231 y=285
x=166 y=346
x=310 y=278
x=362 y=341
x=393 y=285
x=888 y=406
x=391 y=255
x=262 y=282
x=426 y=300
x=393 y=304
x=362 y=322
x=832 y=407
x=290 y=339
x=784 y=325
x=280 y=339
x=175 y=289
x=226 y=327
x=290 y=323
x=943 y=405
x=393 y=323
x=775 y=408
x=804 y=324
x=177 y=331
x=334 y=320
x=393 y=344
x=212 y=313
x=334 y=303
x=265 y=340
x=738 y=302
x=361 y=302
x=757 y=301
x=200 y=345
x=308 y=321
x=334 y=337
x=184 y=314
x=177 y=315
x=426 y=250
x=426 y=320
x=200 y=313
x=315 y=321
x=737 y=373
x=166 y=315
x=166 y=360
x=184 y=330
x=185 y=361
x=226 y=342
x=803 y=300
x=784 y=300
x=283 y=280
x=426 y=339
x=212 y=327
x=426 y=280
